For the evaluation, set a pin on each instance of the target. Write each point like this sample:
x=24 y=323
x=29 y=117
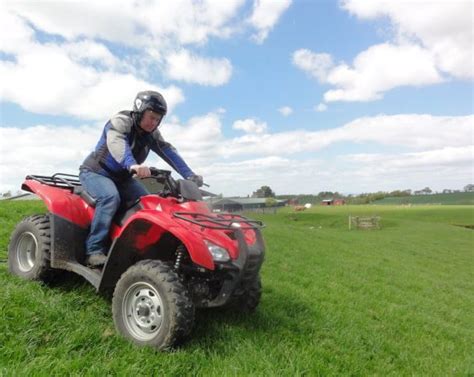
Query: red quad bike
x=168 y=255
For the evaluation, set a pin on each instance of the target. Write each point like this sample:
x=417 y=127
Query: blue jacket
x=124 y=144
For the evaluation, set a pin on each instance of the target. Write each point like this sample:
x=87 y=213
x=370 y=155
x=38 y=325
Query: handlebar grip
x=155 y=171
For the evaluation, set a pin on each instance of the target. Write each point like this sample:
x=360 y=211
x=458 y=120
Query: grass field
x=389 y=302
x=458 y=198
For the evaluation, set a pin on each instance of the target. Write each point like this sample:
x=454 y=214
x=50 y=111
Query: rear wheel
x=151 y=306
x=29 y=249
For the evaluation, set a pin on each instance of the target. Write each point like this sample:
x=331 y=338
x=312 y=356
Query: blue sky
x=304 y=96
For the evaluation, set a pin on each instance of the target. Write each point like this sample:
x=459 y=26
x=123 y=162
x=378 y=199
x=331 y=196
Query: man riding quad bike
x=168 y=254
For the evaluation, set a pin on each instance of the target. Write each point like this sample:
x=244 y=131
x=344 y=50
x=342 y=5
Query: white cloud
x=155 y=34
x=54 y=50
x=316 y=65
x=83 y=79
x=185 y=66
x=250 y=126
x=435 y=151
x=374 y=71
x=285 y=110
x=136 y=24
x=56 y=84
x=444 y=28
x=198 y=139
x=433 y=157
x=90 y=52
x=414 y=131
x=379 y=69
x=447 y=167
x=433 y=42
x=42 y=150
x=265 y=15
x=321 y=107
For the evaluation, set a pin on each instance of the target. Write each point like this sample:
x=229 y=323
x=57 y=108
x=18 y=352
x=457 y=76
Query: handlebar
x=161 y=173
x=171 y=186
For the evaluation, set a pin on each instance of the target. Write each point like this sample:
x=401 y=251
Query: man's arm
x=169 y=153
x=117 y=143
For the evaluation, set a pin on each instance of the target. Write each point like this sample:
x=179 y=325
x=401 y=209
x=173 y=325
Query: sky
x=303 y=96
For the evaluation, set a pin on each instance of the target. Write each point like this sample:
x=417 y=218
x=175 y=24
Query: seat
x=124 y=211
x=79 y=190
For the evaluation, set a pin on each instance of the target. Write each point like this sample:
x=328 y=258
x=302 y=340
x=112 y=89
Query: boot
x=96 y=260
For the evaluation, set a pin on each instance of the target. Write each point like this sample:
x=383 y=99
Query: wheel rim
x=26 y=249
x=143 y=311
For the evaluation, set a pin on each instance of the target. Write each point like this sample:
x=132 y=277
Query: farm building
x=333 y=202
x=241 y=204
x=293 y=202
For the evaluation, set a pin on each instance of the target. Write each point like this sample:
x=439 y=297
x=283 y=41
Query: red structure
x=333 y=202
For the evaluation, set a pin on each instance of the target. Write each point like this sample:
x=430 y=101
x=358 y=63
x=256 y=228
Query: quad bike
x=168 y=255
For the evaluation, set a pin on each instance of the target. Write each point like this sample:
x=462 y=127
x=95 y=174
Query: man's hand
x=197 y=179
x=141 y=171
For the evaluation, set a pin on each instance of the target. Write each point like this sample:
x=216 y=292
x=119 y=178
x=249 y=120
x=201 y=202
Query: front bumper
x=241 y=271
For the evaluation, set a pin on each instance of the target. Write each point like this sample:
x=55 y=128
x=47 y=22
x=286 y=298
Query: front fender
x=164 y=222
x=146 y=229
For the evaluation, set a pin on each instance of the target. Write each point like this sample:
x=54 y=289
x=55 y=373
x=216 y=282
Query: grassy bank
x=458 y=198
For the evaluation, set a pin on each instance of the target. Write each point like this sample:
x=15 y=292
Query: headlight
x=219 y=254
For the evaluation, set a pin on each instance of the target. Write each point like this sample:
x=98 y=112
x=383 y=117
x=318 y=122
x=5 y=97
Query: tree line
x=364 y=198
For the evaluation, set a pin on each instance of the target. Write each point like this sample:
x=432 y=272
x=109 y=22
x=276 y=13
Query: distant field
x=389 y=302
x=460 y=198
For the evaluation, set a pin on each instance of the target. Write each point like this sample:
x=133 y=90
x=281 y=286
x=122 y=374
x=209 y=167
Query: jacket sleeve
x=117 y=142
x=169 y=153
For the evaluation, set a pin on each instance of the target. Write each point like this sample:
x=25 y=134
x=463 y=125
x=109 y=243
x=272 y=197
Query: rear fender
x=61 y=202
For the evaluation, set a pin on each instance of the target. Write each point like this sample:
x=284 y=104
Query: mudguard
x=61 y=202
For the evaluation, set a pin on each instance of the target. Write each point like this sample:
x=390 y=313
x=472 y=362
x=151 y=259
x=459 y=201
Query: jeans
x=108 y=195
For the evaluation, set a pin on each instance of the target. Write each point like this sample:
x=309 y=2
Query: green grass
x=458 y=198
x=395 y=301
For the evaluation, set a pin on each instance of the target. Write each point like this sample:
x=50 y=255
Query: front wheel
x=151 y=306
x=247 y=298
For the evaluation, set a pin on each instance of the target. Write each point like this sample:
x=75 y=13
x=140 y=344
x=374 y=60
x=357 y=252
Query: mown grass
x=396 y=301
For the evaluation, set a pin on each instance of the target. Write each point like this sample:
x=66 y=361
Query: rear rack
x=59 y=180
x=221 y=221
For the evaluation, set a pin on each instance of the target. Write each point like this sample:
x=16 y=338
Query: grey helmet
x=149 y=100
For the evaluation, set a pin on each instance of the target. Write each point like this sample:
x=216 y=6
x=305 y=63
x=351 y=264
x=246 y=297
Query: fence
x=359 y=222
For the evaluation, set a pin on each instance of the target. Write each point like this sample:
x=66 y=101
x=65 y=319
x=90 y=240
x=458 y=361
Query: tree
x=7 y=194
x=270 y=202
x=426 y=191
x=469 y=188
x=263 y=192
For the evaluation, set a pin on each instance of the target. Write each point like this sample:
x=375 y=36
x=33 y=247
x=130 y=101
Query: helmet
x=149 y=100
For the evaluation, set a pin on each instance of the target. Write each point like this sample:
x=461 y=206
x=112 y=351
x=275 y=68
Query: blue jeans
x=108 y=195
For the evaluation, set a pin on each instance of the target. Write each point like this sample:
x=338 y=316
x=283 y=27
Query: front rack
x=59 y=180
x=221 y=221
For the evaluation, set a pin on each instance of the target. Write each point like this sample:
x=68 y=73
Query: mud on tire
x=29 y=249
x=151 y=306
